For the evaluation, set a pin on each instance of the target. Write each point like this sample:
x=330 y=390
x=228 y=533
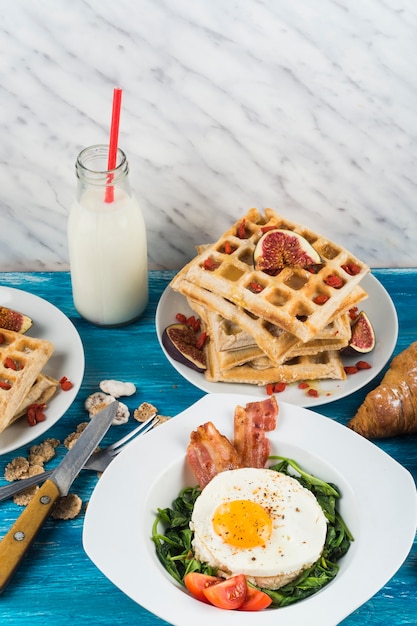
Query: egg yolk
x=242 y=523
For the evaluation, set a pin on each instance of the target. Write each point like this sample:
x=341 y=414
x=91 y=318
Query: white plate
x=67 y=360
x=380 y=310
x=150 y=472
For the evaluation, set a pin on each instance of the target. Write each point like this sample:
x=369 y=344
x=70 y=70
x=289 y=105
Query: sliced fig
x=13 y=320
x=281 y=248
x=363 y=336
x=180 y=341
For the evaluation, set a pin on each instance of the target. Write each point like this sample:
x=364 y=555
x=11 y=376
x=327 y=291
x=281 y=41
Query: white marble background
x=307 y=107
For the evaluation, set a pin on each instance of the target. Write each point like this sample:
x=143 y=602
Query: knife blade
x=19 y=538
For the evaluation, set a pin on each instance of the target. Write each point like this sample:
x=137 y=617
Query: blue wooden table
x=57 y=585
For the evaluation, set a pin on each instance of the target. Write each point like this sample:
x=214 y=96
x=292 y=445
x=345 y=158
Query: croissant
x=391 y=408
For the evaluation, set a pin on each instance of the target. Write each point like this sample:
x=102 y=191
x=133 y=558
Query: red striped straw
x=114 y=139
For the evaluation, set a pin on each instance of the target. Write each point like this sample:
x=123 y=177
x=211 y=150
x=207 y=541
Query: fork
x=97 y=462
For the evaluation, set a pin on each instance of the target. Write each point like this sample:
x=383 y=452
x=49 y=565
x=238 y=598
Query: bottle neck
x=92 y=171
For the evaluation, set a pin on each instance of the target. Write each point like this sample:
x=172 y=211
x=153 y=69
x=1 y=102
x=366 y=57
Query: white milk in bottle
x=107 y=242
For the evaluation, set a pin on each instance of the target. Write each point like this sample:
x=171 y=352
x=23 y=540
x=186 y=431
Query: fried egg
x=260 y=523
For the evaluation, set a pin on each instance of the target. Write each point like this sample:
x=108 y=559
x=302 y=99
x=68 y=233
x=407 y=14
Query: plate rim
x=197 y=379
x=141 y=451
x=75 y=342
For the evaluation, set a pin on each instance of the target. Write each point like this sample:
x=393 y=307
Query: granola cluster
x=21 y=467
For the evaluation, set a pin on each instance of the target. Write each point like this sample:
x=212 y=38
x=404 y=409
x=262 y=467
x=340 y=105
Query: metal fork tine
x=149 y=425
x=142 y=428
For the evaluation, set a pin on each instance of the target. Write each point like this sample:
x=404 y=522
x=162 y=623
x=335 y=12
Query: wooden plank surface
x=57 y=584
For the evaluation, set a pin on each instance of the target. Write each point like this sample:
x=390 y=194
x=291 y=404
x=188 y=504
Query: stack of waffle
x=22 y=382
x=262 y=328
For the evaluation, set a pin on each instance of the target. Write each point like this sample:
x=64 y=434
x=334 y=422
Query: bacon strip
x=209 y=453
x=250 y=425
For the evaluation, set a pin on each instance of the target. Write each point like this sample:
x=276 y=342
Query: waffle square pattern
x=296 y=315
x=21 y=360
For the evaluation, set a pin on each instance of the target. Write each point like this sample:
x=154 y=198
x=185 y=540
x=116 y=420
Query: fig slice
x=363 y=336
x=13 y=320
x=180 y=341
x=281 y=248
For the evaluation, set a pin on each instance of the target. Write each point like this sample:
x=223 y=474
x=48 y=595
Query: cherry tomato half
x=256 y=600
x=229 y=594
x=196 y=582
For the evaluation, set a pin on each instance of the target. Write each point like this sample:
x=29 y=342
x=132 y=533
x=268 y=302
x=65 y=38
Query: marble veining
x=305 y=107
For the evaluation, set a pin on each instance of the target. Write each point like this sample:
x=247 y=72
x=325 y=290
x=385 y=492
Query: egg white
x=298 y=526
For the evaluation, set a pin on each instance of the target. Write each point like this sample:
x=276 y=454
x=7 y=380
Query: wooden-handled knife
x=17 y=541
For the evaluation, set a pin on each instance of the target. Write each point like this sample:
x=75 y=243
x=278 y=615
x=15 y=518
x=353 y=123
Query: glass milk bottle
x=107 y=242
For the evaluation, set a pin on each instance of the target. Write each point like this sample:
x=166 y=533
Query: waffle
x=271 y=340
x=30 y=356
x=256 y=358
x=334 y=337
x=324 y=365
x=287 y=300
x=225 y=366
x=41 y=391
x=228 y=337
